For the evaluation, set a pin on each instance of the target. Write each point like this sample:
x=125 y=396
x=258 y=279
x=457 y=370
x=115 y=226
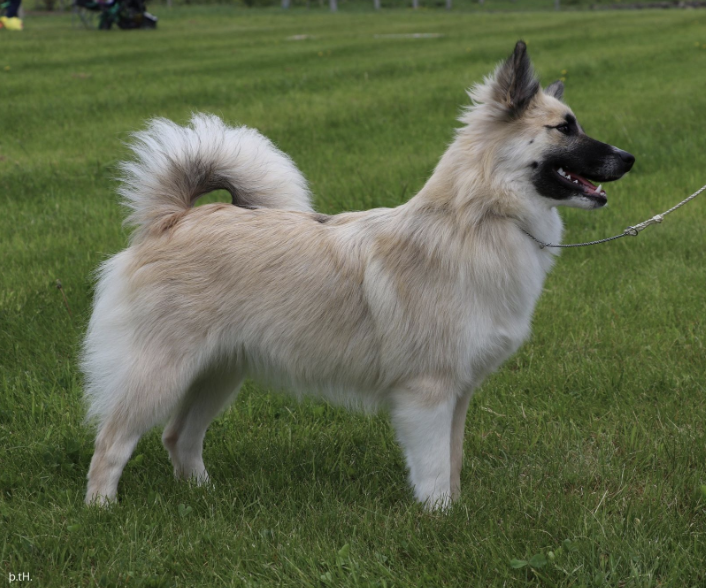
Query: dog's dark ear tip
x=515 y=83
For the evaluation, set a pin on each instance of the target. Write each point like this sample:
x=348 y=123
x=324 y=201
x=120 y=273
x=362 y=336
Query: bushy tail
x=176 y=165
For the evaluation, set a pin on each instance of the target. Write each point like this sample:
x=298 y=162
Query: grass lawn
x=585 y=456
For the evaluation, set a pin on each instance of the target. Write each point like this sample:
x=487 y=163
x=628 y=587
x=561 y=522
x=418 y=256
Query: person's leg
x=13 y=9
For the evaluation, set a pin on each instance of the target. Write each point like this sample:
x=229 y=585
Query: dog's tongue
x=577 y=179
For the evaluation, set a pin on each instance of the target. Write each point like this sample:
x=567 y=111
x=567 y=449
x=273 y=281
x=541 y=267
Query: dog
x=405 y=308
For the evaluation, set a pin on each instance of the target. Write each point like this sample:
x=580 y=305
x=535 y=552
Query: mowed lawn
x=585 y=455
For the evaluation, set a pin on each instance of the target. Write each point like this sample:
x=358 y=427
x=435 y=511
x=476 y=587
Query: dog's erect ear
x=556 y=90
x=515 y=82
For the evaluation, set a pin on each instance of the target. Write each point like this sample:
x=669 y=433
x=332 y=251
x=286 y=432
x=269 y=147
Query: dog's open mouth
x=581 y=184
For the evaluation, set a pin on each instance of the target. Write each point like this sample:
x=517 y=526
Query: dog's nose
x=627 y=158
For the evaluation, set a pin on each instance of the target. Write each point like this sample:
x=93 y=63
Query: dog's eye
x=563 y=129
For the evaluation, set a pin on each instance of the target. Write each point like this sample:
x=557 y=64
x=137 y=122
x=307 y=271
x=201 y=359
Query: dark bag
x=132 y=15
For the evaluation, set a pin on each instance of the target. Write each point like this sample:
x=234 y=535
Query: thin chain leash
x=633 y=231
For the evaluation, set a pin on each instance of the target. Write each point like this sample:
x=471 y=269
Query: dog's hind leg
x=422 y=418
x=115 y=443
x=183 y=436
x=117 y=437
x=127 y=406
x=457 y=431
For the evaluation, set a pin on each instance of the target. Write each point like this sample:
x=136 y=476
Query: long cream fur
x=407 y=308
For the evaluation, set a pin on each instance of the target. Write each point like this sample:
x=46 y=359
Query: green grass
x=588 y=444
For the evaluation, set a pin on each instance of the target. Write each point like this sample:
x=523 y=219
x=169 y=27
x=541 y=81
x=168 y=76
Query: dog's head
x=540 y=139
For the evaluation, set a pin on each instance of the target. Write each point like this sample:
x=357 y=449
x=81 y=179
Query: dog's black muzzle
x=596 y=161
x=573 y=169
x=605 y=163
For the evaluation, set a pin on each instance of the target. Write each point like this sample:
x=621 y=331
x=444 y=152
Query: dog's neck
x=462 y=189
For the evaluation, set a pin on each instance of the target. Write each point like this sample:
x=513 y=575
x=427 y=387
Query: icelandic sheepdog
x=405 y=308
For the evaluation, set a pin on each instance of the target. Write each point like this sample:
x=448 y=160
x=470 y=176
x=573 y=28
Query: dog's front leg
x=422 y=415
x=457 y=431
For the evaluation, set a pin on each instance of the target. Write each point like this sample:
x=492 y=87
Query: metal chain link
x=632 y=231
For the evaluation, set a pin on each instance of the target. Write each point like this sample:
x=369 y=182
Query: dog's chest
x=463 y=323
x=494 y=314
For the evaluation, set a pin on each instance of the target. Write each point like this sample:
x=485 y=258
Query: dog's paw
x=98 y=500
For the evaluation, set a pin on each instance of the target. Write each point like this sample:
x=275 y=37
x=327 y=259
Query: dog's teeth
x=576 y=181
x=598 y=190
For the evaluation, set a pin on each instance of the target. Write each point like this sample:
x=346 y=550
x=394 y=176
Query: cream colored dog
x=407 y=308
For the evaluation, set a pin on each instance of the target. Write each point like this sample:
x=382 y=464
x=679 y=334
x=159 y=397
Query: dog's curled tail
x=175 y=165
